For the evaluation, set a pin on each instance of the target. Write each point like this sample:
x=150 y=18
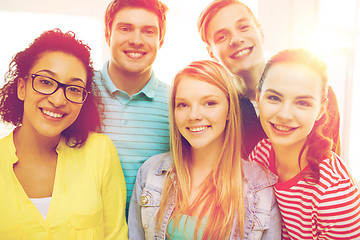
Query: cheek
x=179 y=118
x=76 y=110
x=266 y=110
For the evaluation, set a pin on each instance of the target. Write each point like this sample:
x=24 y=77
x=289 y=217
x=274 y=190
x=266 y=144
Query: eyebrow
x=243 y=19
x=202 y=98
x=273 y=91
x=299 y=97
x=53 y=75
x=132 y=25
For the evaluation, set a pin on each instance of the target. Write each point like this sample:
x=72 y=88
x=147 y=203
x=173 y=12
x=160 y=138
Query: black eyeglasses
x=47 y=85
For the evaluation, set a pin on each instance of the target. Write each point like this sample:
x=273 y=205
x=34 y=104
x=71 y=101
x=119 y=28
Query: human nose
x=136 y=38
x=285 y=112
x=236 y=39
x=195 y=113
x=58 y=97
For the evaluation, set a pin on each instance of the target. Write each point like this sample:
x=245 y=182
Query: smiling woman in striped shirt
x=317 y=197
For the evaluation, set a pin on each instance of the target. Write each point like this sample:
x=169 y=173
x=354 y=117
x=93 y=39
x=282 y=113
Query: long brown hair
x=223 y=188
x=317 y=144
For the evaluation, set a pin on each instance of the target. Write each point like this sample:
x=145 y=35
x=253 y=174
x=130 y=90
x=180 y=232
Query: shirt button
x=144 y=200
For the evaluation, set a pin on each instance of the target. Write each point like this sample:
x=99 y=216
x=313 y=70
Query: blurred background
x=330 y=28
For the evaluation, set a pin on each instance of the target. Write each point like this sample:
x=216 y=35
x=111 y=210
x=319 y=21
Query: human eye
x=44 y=81
x=75 y=90
x=124 y=29
x=273 y=98
x=220 y=38
x=244 y=27
x=181 y=105
x=303 y=103
x=210 y=103
x=150 y=31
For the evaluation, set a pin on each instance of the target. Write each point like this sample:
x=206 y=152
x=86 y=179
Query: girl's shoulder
x=156 y=165
x=257 y=174
x=333 y=168
x=335 y=176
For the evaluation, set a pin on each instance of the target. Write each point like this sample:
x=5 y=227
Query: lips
x=134 y=55
x=241 y=53
x=282 y=128
x=52 y=114
x=197 y=129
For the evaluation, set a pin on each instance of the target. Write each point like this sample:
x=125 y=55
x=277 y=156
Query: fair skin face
x=45 y=117
x=201 y=113
x=288 y=114
x=134 y=43
x=237 y=42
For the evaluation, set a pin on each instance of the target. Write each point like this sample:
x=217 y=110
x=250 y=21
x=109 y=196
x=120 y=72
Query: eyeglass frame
x=59 y=85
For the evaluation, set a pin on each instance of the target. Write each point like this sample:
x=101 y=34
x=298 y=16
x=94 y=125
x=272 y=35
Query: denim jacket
x=262 y=220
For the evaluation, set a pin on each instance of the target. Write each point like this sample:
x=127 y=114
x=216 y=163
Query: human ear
x=257 y=97
x=211 y=53
x=161 y=43
x=21 y=89
x=107 y=37
x=322 y=109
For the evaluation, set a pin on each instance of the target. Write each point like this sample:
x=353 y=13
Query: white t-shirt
x=42 y=204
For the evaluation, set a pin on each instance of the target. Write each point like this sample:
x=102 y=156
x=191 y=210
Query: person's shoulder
x=97 y=140
x=160 y=85
x=262 y=149
x=333 y=168
x=258 y=174
x=159 y=162
x=6 y=138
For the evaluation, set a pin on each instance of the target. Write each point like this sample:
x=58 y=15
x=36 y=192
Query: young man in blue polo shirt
x=136 y=102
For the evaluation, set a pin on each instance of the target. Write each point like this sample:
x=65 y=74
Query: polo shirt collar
x=148 y=89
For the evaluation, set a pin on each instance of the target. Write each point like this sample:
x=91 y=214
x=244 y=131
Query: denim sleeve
x=136 y=230
x=274 y=231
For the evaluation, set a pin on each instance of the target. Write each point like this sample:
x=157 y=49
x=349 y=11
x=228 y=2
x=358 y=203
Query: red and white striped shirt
x=327 y=210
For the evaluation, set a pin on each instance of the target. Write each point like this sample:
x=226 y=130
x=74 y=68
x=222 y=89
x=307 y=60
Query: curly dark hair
x=12 y=108
x=319 y=145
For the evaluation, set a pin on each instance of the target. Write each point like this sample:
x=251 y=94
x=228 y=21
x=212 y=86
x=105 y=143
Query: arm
x=339 y=211
x=113 y=193
x=136 y=230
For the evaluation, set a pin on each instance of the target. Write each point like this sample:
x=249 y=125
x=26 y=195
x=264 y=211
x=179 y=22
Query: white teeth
x=134 y=54
x=242 y=52
x=52 y=114
x=197 y=129
x=282 y=128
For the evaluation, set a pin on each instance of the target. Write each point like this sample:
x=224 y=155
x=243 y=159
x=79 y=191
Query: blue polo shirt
x=138 y=125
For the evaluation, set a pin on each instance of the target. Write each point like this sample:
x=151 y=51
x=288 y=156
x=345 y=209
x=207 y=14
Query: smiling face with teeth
x=290 y=102
x=201 y=111
x=134 y=41
x=235 y=39
x=49 y=115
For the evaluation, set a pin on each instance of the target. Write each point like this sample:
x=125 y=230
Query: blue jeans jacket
x=262 y=219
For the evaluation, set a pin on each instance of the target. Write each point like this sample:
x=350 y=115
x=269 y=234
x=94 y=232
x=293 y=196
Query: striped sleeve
x=339 y=206
x=261 y=153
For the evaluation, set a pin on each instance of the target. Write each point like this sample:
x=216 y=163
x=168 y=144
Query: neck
x=251 y=78
x=26 y=142
x=203 y=160
x=287 y=161
x=129 y=82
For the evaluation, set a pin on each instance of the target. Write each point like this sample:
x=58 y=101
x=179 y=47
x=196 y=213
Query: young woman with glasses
x=58 y=178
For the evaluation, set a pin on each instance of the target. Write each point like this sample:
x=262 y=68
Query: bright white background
x=331 y=28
